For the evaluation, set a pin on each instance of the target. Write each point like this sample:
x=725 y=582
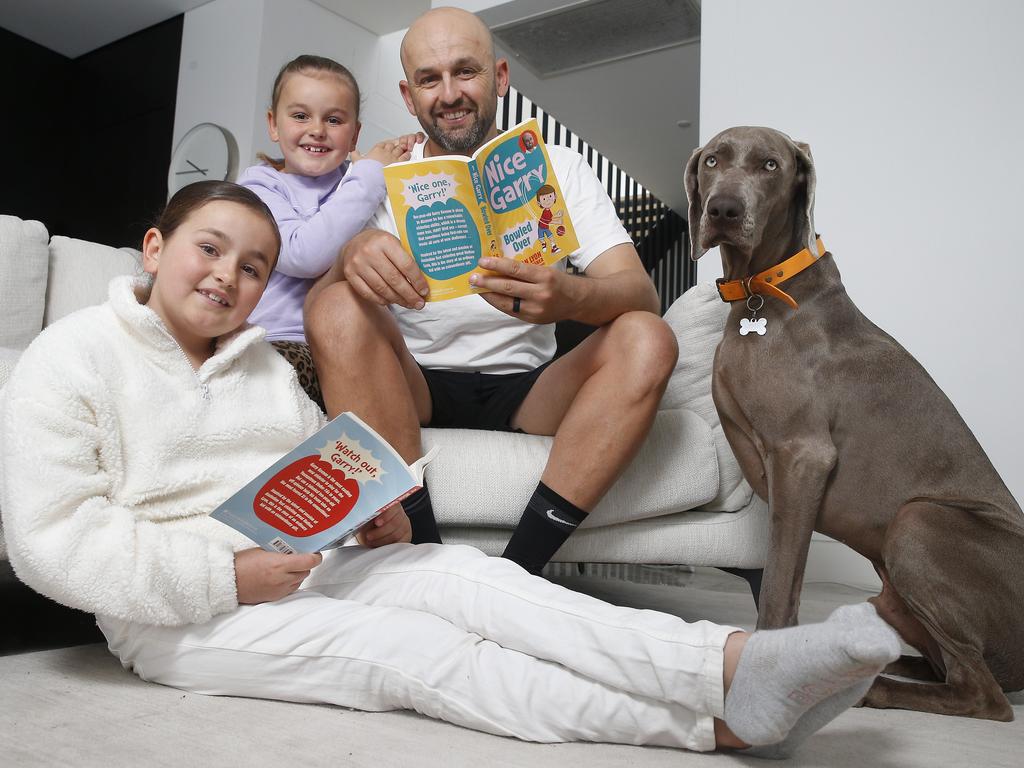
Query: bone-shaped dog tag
x=760 y=326
x=753 y=324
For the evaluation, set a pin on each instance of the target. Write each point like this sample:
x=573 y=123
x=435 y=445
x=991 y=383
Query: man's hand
x=390 y=526
x=545 y=294
x=262 y=577
x=379 y=270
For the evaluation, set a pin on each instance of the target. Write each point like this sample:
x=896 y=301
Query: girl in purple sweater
x=321 y=192
x=319 y=197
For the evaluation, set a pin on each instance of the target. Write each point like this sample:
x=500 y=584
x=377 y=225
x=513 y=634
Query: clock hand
x=201 y=170
x=197 y=170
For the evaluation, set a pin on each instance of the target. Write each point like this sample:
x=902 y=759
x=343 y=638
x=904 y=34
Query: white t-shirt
x=468 y=334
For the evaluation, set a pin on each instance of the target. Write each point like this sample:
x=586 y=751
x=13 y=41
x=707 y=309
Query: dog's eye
x=770 y=165
x=711 y=161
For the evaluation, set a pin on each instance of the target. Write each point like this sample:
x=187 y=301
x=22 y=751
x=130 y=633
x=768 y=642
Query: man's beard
x=463 y=141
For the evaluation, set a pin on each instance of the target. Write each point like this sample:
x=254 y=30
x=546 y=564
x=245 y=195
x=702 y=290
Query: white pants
x=455 y=635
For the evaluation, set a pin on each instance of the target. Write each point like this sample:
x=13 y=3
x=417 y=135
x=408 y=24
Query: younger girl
x=125 y=424
x=319 y=200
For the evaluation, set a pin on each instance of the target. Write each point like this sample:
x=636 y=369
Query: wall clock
x=207 y=151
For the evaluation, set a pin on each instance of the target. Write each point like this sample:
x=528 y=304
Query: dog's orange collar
x=765 y=282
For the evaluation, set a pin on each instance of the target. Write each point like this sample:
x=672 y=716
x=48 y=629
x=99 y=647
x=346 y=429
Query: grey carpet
x=78 y=707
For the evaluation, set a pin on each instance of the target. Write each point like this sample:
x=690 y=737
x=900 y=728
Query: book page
x=439 y=220
x=320 y=492
x=505 y=201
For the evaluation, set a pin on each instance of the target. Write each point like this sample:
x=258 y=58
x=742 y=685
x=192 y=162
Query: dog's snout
x=725 y=209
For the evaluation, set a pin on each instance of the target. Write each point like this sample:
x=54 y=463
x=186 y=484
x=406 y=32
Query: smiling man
x=485 y=361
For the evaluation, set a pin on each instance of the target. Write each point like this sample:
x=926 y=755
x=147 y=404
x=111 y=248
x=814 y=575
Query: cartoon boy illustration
x=546 y=198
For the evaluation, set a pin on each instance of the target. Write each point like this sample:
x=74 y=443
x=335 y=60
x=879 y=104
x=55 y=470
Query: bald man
x=485 y=361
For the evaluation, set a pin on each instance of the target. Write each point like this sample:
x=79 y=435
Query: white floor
x=77 y=707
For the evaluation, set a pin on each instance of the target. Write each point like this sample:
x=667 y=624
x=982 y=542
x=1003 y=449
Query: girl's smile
x=315 y=122
x=210 y=273
x=217 y=297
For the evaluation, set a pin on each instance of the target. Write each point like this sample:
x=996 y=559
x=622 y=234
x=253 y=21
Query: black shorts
x=477 y=400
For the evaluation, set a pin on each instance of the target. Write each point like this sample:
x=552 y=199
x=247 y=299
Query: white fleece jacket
x=115 y=450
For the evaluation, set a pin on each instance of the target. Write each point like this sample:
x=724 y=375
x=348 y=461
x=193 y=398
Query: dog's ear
x=806 y=165
x=693 y=197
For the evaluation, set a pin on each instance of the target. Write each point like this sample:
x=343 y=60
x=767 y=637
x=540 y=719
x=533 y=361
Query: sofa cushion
x=484 y=478
x=80 y=272
x=733 y=539
x=698 y=318
x=23 y=265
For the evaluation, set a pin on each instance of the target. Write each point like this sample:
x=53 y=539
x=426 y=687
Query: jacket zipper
x=204 y=390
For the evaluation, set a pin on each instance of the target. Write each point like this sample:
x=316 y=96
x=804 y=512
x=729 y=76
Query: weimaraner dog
x=842 y=431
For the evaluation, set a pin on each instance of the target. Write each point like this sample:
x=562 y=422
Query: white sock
x=813 y=720
x=784 y=673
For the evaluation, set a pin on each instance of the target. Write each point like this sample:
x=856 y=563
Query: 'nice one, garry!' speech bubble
x=429 y=189
x=350 y=457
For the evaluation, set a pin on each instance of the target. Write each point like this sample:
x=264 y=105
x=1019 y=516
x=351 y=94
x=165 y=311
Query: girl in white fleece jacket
x=125 y=424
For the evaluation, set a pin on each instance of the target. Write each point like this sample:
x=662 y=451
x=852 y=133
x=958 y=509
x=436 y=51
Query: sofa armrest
x=8 y=358
x=23 y=265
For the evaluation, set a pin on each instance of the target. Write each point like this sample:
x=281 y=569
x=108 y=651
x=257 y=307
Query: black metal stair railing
x=659 y=233
x=662 y=240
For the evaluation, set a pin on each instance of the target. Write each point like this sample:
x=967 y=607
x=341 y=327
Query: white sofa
x=682 y=501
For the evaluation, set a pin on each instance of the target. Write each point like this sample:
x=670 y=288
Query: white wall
x=914 y=115
x=220 y=44
x=231 y=51
x=386 y=111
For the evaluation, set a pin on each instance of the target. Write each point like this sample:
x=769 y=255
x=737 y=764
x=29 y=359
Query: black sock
x=545 y=525
x=421 y=516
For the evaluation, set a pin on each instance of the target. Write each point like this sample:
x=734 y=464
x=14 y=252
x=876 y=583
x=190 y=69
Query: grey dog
x=842 y=431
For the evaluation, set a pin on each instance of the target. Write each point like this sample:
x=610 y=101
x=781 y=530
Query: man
x=483 y=361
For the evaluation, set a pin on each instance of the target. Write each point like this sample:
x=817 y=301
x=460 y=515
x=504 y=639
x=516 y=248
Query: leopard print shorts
x=297 y=353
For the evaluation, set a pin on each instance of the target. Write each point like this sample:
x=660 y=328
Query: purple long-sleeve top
x=317 y=215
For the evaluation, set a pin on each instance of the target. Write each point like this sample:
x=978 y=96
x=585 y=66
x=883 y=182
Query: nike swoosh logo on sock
x=552 y=516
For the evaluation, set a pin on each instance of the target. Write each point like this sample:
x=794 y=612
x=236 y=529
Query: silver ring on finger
x=516 y=301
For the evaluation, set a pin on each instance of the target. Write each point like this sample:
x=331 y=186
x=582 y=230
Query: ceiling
x=74 y=27
x=629 y=109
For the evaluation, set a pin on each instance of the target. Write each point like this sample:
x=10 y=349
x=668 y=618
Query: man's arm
x=615 y=283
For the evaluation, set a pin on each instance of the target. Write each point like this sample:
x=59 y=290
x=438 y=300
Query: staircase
x=659 y=233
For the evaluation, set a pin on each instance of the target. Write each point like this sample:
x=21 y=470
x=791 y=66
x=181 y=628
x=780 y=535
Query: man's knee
x=647 y=344
x=337 y=313
x=329 y=305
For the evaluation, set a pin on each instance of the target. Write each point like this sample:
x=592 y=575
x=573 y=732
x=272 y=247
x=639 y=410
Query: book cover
x=321 y=491
x=503 y=201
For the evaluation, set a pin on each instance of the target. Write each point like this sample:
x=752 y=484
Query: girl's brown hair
x=305 y=63
x=191 y=198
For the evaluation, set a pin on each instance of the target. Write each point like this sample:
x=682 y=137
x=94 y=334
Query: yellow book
x=503 y=201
